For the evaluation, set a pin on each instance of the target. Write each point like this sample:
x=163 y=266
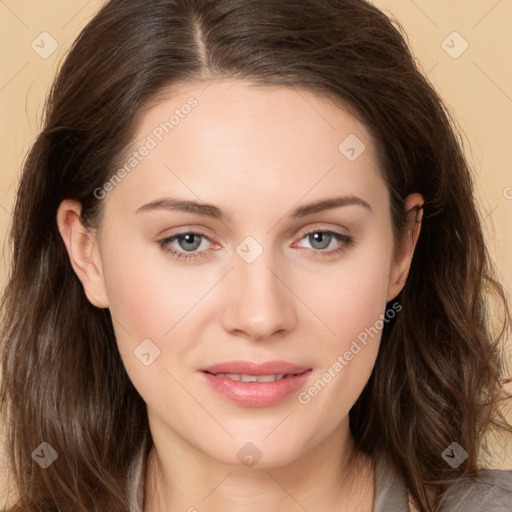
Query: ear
x=404 y=252
x=83 y=252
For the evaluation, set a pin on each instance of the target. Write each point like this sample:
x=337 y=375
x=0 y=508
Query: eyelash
x=348 y=241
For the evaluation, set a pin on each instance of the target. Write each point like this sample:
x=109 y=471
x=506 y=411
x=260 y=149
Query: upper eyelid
x=301 y=232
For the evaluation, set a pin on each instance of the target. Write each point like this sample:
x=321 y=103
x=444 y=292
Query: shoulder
x=492 y=490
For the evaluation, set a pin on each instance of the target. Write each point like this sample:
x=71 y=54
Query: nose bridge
x=260 y=303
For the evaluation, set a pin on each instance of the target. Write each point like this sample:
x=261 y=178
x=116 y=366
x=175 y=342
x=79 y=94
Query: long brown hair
x=439 y=372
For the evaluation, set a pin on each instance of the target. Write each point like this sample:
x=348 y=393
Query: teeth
x=251 y=378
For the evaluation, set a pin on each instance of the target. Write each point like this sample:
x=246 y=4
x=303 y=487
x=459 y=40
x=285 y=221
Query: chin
x=256 y=452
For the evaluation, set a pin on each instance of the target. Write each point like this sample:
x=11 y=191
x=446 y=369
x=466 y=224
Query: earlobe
x=404 y=252
x=83 y=252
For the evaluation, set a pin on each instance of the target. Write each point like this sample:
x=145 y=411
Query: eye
x=321 y=240
x=188 y=241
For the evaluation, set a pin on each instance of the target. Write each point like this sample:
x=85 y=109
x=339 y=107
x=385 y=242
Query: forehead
x=229 y=136
x=246 y=109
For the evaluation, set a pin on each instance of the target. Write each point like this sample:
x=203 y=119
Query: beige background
x=476 y=84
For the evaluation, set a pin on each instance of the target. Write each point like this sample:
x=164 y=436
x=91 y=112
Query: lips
x=255 y=384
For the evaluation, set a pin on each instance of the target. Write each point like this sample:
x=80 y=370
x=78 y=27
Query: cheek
x=141 y=286
x=145 y=309
x=140 y=306
x=137 y=300
x=350 y=297
x=152 y=298
x=353 y=307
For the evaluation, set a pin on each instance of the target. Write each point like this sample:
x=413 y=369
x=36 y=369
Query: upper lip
x=250 y=368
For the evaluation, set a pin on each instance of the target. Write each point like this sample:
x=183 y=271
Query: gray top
x=491 y=493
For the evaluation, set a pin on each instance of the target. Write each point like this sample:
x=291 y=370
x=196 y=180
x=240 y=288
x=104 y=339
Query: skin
x=257 y=153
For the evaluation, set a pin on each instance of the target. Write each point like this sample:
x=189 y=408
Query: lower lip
x=256 y=394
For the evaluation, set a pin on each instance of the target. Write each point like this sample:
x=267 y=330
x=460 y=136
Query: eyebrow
x=210 y=210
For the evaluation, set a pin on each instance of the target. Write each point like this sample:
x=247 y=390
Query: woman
x=325 y=344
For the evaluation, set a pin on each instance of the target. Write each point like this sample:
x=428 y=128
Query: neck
x=332 y=474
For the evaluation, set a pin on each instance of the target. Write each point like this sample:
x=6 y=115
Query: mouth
x=255 y=384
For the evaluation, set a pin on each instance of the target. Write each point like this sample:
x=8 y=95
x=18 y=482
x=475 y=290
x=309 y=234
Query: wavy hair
x=439 y=373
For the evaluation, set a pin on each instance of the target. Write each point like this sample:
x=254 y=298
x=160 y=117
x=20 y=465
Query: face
x=259 y=275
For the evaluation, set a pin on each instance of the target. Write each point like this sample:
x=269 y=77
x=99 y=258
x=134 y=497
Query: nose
x=260 y=303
